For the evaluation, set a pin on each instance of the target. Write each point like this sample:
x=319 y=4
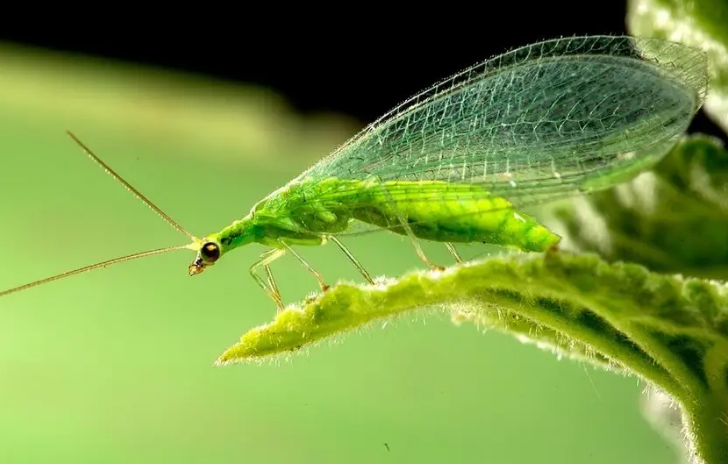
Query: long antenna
x=121 y=259
x=128 y=186
x=92 y=267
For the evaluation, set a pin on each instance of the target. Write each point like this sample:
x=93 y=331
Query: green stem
x=707 y=416
x=707 y=430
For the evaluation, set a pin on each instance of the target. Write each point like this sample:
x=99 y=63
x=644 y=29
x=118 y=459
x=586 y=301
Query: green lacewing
x=458 y=162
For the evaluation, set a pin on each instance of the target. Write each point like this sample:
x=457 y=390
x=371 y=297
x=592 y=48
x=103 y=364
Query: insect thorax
x=318 y=207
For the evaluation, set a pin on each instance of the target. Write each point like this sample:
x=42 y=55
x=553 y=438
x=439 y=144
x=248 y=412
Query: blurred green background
x=115 y=366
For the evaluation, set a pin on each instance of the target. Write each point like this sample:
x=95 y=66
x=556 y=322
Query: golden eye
x=210 y=251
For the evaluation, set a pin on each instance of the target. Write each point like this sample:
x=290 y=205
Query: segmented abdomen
x=445 y=212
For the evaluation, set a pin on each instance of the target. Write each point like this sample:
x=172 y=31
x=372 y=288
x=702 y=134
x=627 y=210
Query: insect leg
x=451 y=248
x=410 y=234
x=272 y=290
x=320 y=279
x=271 y=281
x=352 y=259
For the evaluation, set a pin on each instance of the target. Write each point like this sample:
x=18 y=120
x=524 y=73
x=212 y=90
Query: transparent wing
x=538 y=123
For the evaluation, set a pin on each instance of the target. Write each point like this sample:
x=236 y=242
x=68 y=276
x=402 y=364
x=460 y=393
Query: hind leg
x=408 y=230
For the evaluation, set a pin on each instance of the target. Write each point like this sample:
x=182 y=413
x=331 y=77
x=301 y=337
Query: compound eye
x=210 y=251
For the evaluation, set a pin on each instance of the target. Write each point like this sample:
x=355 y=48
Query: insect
x=458 y=162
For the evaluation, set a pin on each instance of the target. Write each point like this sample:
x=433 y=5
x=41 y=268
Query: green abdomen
x=444 y=212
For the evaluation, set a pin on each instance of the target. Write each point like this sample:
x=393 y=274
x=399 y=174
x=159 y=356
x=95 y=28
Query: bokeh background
x=206 y=118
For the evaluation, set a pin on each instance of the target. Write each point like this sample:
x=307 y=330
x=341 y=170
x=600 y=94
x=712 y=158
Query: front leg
x=271 y=288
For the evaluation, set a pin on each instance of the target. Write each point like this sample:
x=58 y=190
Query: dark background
x=360 y=59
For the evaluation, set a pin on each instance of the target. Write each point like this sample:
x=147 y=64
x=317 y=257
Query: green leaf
x=700 y=23
x=670 y=331
x=673 y=219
